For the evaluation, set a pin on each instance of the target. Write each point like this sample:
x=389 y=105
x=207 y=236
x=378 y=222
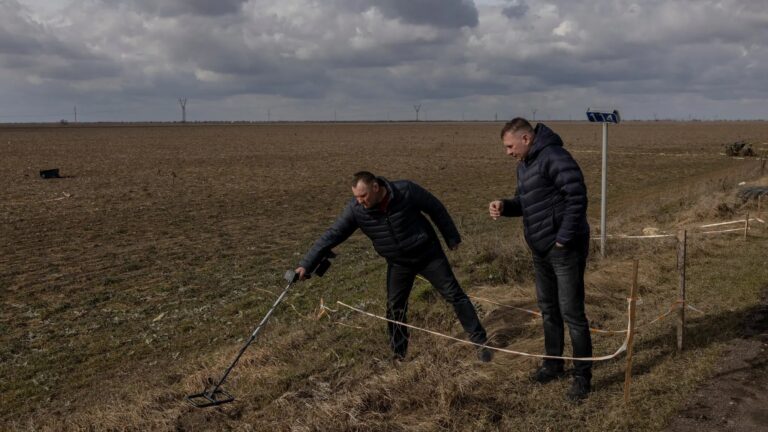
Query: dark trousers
x=560 y=293
x=436 y=269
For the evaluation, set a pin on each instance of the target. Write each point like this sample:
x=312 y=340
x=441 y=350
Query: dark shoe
x=579 y=389
x=484 y=354
x=545 y=374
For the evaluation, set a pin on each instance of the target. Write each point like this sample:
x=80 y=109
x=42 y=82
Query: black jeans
x=436 y=269
x=560 y=293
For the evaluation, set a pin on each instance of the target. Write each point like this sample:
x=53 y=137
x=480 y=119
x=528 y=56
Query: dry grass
x=126 y=295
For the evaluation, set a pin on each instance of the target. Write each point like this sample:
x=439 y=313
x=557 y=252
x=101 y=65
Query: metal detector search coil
x=215 y=395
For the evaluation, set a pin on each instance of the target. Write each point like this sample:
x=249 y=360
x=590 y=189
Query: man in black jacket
x=391 y=214
x=552 y=199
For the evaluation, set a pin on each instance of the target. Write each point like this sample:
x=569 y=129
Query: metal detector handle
x=291 y=276
x=323 y=265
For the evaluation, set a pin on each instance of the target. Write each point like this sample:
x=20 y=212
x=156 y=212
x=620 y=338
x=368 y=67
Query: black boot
x=580 y=389
x=545 y=374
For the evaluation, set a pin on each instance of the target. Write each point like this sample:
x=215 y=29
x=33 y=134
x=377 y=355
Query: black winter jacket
x=400 y=234
x=551 y=195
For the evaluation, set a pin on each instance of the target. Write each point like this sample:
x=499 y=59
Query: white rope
x=723 y=231
x=671 y=309
x=730 y=222
x=621 y=349
x=635 y=236
x=532 y=312
x=651 y=236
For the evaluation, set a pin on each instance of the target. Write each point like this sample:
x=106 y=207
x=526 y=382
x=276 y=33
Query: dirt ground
x=736 y=397
x=134 y=277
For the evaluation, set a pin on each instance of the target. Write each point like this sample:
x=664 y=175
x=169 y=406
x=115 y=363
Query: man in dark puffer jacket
x=552 y=199
x=391 y=214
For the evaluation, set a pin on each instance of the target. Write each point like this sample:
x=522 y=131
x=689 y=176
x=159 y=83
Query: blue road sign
x=603 y=116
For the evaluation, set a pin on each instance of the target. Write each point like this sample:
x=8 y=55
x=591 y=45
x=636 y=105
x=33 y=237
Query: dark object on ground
x=753 y=192
x=579 y=390
x=739 y=148
x=50 y=173
x=215 y=395
x=545 y=374
x=484 y=354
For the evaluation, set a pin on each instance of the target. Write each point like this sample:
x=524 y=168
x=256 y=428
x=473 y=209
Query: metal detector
x=216 y=395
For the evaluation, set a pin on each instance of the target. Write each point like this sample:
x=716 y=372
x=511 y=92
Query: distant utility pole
x=496 y=117
x=75 y=110
x=417 y=108
x=183 y=104
x=269 y=115
x=534 y=114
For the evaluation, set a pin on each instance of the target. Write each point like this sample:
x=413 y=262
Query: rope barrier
x=532 y=312
x=635 y=236
x=621 y=349
x=731 y=222
x=723 y=231
x=651 y=236
x=672 y=308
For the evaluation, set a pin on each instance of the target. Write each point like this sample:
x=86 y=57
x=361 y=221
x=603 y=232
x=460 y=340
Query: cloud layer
x=306 y=59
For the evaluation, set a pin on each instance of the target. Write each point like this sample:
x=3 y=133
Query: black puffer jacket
x=551 y=195
x=400 y=234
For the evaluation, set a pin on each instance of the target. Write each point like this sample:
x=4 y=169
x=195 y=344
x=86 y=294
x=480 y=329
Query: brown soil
x=127 y=282
x=735 y=398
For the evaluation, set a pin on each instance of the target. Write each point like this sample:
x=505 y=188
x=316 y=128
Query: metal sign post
x=604 y=117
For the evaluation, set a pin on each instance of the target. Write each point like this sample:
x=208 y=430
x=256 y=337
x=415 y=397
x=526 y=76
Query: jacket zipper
x=392 y=232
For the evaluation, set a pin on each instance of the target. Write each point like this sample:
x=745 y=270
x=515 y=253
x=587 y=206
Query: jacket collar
x=543 y=137
x=391 y=191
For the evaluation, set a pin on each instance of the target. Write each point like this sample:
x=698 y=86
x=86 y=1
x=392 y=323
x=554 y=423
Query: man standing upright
x=392 y=215
x=552 y=199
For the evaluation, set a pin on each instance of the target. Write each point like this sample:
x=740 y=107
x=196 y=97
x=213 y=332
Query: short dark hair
x=516 y=124
x=366 y=177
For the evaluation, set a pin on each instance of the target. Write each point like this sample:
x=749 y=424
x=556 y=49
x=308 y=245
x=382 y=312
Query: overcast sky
x=375 y=59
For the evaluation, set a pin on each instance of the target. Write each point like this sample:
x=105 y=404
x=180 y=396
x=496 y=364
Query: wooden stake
x=682 y=238
x=746 y=226
x=632 y=300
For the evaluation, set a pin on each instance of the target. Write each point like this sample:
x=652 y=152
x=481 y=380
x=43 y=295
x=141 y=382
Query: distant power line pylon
x=417 y=108
x=183 y=104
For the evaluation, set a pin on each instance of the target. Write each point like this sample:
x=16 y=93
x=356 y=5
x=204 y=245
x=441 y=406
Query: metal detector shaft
x=255 y=333
x=216 y=395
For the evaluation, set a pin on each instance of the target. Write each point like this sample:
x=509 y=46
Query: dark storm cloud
x=371 y=50
x=169 y=8
x=515 y=9
x=36 y=51
x=438 y=13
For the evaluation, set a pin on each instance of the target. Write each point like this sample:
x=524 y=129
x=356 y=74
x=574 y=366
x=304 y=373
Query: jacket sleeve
x=436 y=211
x=512 y=207
x=568 y=179
x=341 y=229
